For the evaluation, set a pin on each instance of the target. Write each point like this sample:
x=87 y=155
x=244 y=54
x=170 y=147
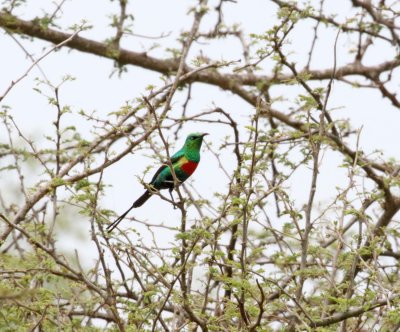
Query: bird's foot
x=178 y=204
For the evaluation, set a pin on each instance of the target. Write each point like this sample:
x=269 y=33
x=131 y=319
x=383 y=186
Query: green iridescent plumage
x=184 y=163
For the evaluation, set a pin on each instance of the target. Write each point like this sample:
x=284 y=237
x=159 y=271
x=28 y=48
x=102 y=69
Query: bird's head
x=193 y=141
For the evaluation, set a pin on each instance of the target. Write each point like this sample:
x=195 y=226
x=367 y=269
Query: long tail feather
x=111 y=227
x=142 y=199
x=139 y=202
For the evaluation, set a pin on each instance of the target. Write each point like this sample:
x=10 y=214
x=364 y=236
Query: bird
x=184 y=163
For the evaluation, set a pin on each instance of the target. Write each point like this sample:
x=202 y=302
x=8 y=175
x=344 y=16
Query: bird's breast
x=188 y=166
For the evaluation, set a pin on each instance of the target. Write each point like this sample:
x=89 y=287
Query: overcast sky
x=94 y=89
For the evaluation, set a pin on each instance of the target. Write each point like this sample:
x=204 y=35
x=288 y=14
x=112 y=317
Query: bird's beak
x=205 y=134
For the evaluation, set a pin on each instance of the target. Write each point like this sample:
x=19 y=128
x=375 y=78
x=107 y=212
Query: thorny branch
x=251 y=253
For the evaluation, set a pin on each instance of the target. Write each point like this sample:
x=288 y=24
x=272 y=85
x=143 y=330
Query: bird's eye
x=193 y=137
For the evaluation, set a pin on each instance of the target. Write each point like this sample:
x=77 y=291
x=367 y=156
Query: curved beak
x=205 y=134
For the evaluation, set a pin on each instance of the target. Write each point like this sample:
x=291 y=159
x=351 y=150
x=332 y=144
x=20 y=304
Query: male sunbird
x=184 y=163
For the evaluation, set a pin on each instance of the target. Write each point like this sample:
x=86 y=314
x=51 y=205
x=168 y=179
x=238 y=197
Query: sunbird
x=184 y=163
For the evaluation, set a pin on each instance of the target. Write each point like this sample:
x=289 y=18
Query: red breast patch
x=189 y=167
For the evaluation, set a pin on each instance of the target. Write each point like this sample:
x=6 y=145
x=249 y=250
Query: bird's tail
x=142 y=199
x=139 y=202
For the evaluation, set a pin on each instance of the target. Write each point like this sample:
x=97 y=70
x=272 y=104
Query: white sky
x=93 y=89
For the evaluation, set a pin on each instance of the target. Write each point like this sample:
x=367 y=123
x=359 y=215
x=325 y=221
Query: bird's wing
x=157 y=173
x=174 y=159
x=178 y=155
